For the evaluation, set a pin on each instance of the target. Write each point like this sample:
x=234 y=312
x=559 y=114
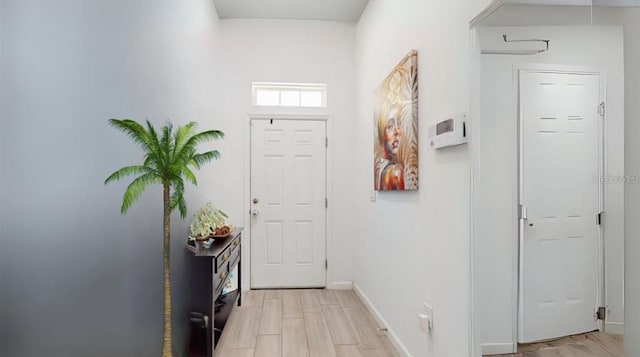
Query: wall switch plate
x=428 y=318
x=425 y=323
x=373 y=196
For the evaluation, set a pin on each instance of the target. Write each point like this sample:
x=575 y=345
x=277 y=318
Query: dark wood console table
x=209 y=270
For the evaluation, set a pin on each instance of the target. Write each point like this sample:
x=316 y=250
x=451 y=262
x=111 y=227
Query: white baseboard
x=614 y=327
x=340 y=285
x=393 y=338
x=497 y=348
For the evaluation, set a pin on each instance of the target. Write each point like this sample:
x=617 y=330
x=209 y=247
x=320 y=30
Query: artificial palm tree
x=168 y=160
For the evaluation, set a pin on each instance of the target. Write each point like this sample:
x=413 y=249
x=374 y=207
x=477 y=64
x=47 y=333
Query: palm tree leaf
x=198 y=160
x=128 y=171
x=151 y=160
x=182 y=207
x=167 y=145
x=134 y=130
x=154 y=144
x=178 y=190
x=182 y=135
x=136 y=188
x=166 y=140
x=189 y=148
x=177 y=197
x=190 y=175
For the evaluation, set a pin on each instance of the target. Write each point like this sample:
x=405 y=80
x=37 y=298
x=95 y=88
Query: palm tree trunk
x=166 y=338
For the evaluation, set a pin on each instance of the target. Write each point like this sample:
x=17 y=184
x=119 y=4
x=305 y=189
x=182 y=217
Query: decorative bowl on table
x=222 y=231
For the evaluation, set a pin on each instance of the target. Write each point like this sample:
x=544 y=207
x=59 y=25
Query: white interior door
x=560 y=153
x=288 y=185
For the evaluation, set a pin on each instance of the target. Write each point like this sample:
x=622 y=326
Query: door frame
x=246 y=205
x=602 y=151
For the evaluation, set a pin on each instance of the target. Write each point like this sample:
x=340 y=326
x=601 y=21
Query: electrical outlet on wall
x=372 y=195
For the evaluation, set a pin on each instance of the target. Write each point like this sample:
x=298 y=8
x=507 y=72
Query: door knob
x=254 y=212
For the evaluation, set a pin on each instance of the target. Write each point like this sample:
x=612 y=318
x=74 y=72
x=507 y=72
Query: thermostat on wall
x=449 y=132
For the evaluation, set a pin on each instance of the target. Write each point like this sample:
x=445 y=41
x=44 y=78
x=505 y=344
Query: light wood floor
x=595 y=344
x=302 y=323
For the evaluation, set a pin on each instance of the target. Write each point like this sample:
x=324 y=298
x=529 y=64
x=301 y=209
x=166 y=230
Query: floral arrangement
x=205 y=221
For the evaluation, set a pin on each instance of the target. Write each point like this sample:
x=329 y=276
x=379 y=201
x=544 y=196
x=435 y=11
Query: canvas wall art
x=395 y=118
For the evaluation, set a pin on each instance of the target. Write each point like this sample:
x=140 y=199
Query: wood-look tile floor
x=594 y=344
x=302 y=323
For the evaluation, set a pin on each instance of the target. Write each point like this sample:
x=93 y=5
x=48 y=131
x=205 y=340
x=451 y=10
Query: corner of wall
x=393 y=337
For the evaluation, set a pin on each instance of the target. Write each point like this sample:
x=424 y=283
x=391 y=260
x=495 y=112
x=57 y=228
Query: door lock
x=255 y=201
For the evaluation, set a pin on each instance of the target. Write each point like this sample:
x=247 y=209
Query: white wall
x=496 y=237
x=63 y=77
x=98 y=280
x=76 y=277
x=630 y=19
x=297 y=52
x=413 y=247
x=1 y=11
x=632 y=191
x=539 y=15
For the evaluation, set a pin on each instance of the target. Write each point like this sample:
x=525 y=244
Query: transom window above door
x=303 y=95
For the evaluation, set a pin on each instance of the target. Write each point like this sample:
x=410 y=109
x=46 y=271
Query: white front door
x=560 y=153
x=288 y=185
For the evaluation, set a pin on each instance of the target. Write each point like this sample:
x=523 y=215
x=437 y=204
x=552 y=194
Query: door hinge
x=602 y=110
x=599 y=218
x=522 y=212
x=326 y=264
x=326 y=203
x=601 y=313
x=326 y=141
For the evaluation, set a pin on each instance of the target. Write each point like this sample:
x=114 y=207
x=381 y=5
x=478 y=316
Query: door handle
x=254 y=212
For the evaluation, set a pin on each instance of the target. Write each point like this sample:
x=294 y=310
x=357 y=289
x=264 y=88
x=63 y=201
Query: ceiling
x=575 y=2
x=333 y=10
x=549 y=2
x=556 y=15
